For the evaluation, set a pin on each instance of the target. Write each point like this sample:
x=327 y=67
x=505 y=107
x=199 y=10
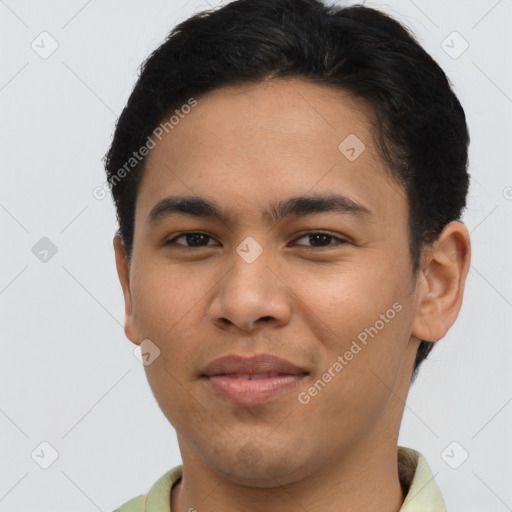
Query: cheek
x=360 y=376
x=351 y=299
x=167 y=312
x=163 y=298
x=368 y=315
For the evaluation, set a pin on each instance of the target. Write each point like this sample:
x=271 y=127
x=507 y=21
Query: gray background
x=68 y=375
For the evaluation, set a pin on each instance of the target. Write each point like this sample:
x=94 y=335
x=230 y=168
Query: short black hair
x=420 y=126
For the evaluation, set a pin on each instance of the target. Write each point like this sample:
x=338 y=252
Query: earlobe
x=123 y=272
x=440 y=284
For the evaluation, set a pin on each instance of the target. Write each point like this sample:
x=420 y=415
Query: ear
x=123 y=272
x=440 y=283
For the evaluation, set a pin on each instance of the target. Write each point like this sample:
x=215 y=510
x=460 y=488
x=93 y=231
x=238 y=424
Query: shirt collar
x=422 y=492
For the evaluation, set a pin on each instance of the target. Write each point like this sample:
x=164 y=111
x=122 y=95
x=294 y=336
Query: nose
x=251 y=296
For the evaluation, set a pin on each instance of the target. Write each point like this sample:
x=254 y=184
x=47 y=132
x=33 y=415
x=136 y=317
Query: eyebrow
x=294 y=206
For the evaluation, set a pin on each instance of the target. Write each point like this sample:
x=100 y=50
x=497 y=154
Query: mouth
x=252 y=380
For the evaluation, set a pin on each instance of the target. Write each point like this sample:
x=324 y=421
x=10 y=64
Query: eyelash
x=341 y=241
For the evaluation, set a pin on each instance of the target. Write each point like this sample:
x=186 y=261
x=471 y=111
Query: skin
x=306 y=301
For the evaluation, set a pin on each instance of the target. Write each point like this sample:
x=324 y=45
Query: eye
x=195 y=239
x=317 y=239
x=321 y=239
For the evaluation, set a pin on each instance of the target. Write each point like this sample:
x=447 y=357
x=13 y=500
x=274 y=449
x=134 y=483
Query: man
x=289 y=179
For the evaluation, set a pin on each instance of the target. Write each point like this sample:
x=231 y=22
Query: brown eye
x=192 y=239
x=321 y=239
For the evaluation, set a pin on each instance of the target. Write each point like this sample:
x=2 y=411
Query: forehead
x=251 y=144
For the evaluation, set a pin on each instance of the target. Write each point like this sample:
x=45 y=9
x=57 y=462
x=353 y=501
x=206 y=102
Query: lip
x=252 y=380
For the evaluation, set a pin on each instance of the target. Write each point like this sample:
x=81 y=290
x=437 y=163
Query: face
x=338 y=306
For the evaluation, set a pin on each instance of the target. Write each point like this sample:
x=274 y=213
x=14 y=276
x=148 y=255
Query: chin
x=265 y=467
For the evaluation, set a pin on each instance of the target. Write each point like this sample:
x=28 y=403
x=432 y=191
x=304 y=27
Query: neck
x=365 y=478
